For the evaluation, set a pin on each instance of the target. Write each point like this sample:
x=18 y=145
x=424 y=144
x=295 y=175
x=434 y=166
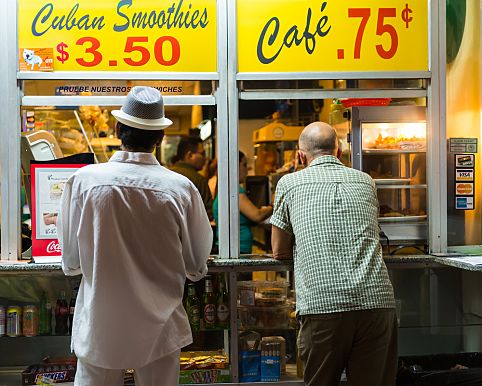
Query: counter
x=264 y=262
x=427 y=298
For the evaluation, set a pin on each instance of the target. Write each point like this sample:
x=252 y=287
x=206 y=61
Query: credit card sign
x=464 y=188
x=464 y=160
x=464 y=174
x=464 y=203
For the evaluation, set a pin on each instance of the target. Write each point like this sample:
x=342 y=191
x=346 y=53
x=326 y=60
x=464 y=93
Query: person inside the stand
x=326 y=218
x=188 y=161
x=249 y=214
x=135 y=231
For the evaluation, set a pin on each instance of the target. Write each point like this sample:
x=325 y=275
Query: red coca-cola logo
x=53 y=247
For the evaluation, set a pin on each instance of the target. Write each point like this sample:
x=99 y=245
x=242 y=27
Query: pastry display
x=192 y=360
x=399 y=142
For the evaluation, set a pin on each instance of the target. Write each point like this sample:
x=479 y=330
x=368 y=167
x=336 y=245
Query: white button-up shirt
x=135 y=230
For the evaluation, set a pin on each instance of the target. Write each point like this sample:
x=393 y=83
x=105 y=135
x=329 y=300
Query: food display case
x=76 y=130
x=389 y=143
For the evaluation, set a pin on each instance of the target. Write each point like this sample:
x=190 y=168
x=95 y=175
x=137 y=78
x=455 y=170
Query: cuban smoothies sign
x=121 y=35
x=332 y=35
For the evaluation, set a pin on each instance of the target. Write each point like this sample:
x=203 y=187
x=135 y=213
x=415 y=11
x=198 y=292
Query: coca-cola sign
x=53 y=247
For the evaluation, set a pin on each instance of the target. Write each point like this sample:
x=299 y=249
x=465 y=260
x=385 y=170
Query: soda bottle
x=209 y=305
x=61 y=315
x=45 y=315
x=72 y=309
x=222 y=309
x=193 y=308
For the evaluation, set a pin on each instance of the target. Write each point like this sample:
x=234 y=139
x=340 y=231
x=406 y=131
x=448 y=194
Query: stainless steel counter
x=248 y=263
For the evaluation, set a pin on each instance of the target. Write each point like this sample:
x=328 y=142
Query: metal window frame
x=111 y=75
x=10 y=144
x=323 y=75
x=437 y=111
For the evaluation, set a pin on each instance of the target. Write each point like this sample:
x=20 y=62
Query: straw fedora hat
x=143 y=109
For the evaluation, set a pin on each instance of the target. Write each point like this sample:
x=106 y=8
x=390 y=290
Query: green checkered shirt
x=332 y=211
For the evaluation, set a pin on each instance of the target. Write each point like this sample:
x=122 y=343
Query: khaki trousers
x=364 y=343
x=162 y=372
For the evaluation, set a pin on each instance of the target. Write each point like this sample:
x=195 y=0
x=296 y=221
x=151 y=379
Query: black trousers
x=365 y=343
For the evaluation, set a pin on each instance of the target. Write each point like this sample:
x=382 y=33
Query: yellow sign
x=122 y=35
x=333 y=35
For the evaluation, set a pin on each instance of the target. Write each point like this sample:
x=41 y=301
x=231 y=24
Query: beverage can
x=3 y=321
x=14 y=321
x=30 y=320
x=270 y=361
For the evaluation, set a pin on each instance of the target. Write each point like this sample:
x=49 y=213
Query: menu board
x=355 y=35
x=119 y=35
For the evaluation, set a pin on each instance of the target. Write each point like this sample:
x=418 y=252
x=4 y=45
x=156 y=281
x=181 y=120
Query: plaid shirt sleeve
x=280 y=217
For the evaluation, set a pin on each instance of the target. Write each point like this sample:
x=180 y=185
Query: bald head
x=318 y=138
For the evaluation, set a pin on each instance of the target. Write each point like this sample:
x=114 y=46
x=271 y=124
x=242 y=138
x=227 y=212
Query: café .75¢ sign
x=121 y=35
x=332 y=35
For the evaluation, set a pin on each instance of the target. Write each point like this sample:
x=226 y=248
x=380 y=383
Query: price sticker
x=122 y=35
x=333 y=35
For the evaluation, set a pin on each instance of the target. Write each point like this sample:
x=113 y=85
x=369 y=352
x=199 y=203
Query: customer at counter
x=188 y=161
x=135 y=230
x=326 y=218
x=249 y=214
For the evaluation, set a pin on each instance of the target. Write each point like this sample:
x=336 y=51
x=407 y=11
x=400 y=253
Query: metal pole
x=10 y=133
x=223 y=131
x=436 y=149
x=233 y=131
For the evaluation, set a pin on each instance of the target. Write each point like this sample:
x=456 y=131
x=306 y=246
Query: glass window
x=386 y=140
x=51 y=132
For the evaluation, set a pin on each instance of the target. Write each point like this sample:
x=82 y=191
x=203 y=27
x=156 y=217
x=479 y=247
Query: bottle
x=72 y=310
x=209 y=305
x=193 y=308
x=222 y=306
x=61 y=315
x=45 y=315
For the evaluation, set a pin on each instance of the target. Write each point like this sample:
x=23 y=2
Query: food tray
x=349 y=102
x=392 y=151
x=392 y=181
x=259 y=293
x=276 y=317
x=403 y=219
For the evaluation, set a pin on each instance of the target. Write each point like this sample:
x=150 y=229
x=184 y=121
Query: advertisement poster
x=48 y=179
x=49 y=185
x=36 y=59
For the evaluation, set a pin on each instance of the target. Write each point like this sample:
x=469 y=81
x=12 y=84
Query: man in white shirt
x=135 y=230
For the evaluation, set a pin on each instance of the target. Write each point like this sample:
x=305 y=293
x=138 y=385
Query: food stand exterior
x=306 y=42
